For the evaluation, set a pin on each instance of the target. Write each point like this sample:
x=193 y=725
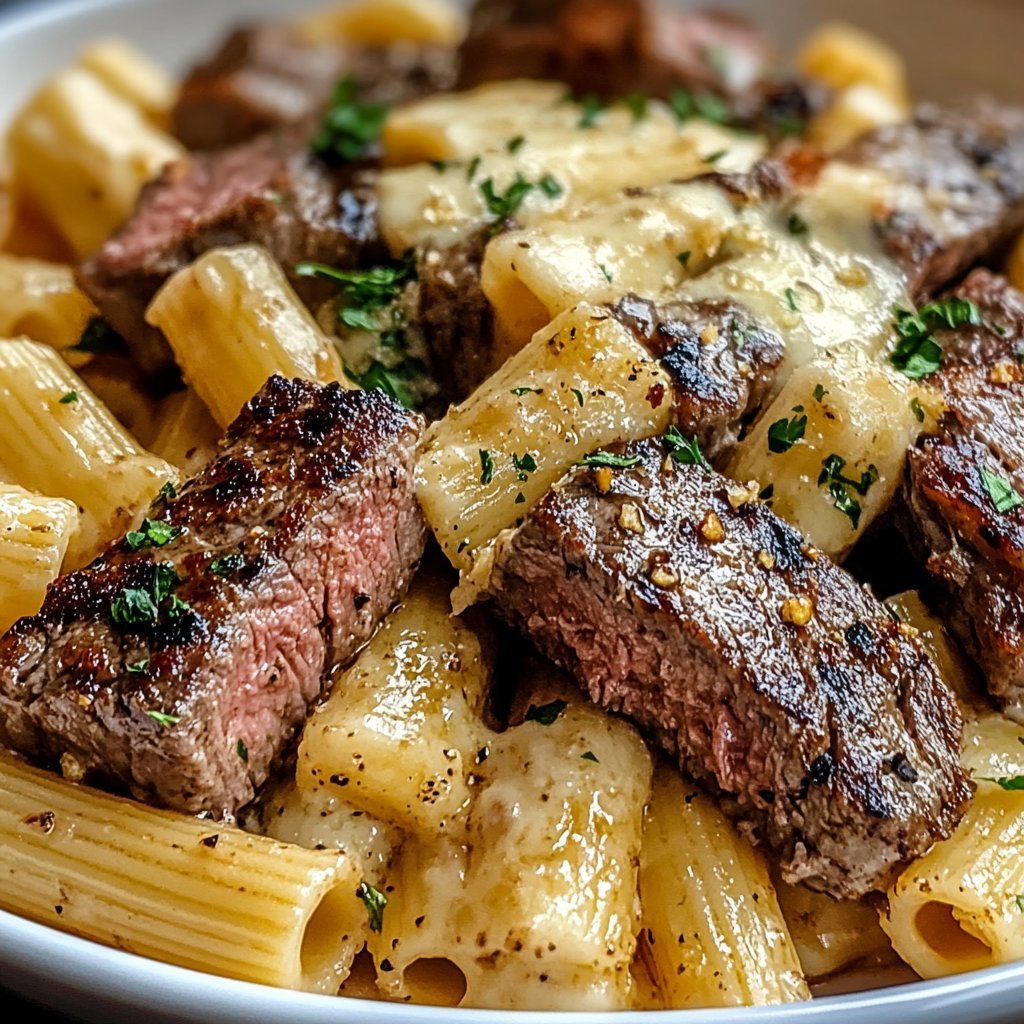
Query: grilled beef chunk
x=272 y=191
x=264 y=77
x=455 y=316
x=182 y=661
x=612 y=47
x=962 y=196
x=768 y=671
x=721 y=362
x=966 y=529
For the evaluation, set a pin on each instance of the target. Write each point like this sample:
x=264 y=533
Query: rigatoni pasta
x=715 y=935
x=82 y=153
x=59 y=439
x=194 y=893
x=185 y=433
x=233 y=320
x=34 y=535
x=132 y=75
x=582 y=383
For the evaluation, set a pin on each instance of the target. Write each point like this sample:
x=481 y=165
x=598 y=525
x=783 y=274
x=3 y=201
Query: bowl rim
x=31 y=949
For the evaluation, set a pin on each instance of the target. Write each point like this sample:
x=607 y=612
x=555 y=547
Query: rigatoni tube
x=233 y=320
x=174 y=888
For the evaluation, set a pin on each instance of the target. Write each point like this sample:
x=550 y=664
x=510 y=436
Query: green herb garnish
x=546 y=714
x=133 y=607
x=398 y=381
x=138 y=668
x=524 y=465
x=68 y=397
x=1011 y=783
x=350 y=126
x=375 y=902
x=687 y=452
x=152 y=533
x=791 y=300
x=607 y=273
x=598 y=459
x=917 y=353
x=590 y=109
x=99 y=338
x=486 y=466
x=839 y=486
x=163 y=719
x=516 y=144
x=502 y=205
x=578 y=396
x=589 y=756
x=550 y=186
x=917 y=409
x=783 y=434
x=242 y=751
x=364 y=292
x=1002 y=493
x=819 y=392
x=519 y=392
x=636 y=104
x=684 y=257
x=227 y=564
x=796 y=225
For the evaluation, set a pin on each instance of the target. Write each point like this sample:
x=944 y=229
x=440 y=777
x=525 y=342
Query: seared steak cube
x=272 y=191
x=964 y=516
x=183 y=660
x=679 y=600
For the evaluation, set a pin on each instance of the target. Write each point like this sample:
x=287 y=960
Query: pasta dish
x=516 y=508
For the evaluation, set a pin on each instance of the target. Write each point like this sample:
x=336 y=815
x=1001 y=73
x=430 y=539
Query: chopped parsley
x=713 y=158
x=396 y=381
x=68 y=397
x=350 y=126
x=167 y=492
x=519 y=392
x=134 y=607
x=820 y=392
x=840 y=486
x=791 y=300
x=502 y=205
x=796 y=225
x=783 y=434
x=516 y=144
x=706 y=105
x=589 y=756
x=1005 y=498
x=636 y=104
x=177 y=607
x=227 y=564
x=473 y=167
x=917 y=409
x=486 y=466
x=684 y=257
x=165 y=579
x=441 y=165
x=917 y=354
x=598 y=459
x=99 y=338
x=1019 y=901
x=687 y=452
x=164 y=719
x=591 y=108
x=607 y=273
x=767 y=493
x=364 y=292
x=375 y=902
x=138 y=668
x=153 y=533
x=242 y=751
x=546 y=714
x=550 y=186
x=524 y=465
x=1011 y=783
x=578 y=396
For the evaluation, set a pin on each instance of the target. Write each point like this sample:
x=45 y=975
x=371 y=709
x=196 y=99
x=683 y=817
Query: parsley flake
x=350 y=126
x=152 y=533
x=917 y=354
x=687 y=452
x=1002 y=493
x=589 y=756
x=636 y=104
x=502 y=205
x=227 y=565
x=839 y=486
x=524 y=465
x=398 y=381
x=133 y=607
x=791 y=300
x=819 y=392
x=550 y=186
x=486 y=466
x=99 y=338
x=520 y=391
x=607 y=273
x=598 y=459
x=375 y=902
x=713 y=158
x=1019 y=901
x=796 y=225
x=546 y=714
x=783 y=434
x=578 y=396
x=590 y=110
x=164 y=719
x=242 y=751
x=516 y=144
x=917 y=409
x=684 y=257
x=1011 y=783
x=364 y=292
x=68 y=397
x=138 y=668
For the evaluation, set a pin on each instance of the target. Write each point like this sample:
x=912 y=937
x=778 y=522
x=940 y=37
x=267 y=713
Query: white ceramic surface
x=100 y=984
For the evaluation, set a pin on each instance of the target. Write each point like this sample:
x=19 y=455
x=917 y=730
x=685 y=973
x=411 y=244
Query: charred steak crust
x=294 y=543
x=678 y=603
x=963 y=174
x=721 y=361
x=973 y=552
x=265 y=77
x=272 y=191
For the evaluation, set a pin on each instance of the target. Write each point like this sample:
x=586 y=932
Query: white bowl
x=95 y=983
